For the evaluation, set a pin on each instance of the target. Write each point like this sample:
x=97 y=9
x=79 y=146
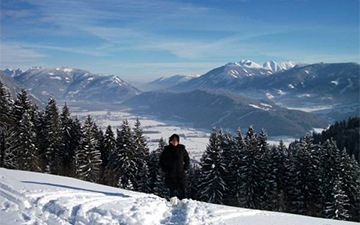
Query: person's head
x=174 y=139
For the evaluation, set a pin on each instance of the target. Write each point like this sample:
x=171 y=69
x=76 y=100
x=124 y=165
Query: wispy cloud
x=14 y=55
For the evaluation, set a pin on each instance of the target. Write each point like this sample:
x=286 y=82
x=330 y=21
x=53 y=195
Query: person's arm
x=186 y=160
x=162 y=161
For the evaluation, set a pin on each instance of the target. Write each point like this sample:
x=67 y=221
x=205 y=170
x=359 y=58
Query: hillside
x=34 y=198
x=209 y=108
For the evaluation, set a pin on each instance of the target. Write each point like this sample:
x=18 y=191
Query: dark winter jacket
x=174 y=161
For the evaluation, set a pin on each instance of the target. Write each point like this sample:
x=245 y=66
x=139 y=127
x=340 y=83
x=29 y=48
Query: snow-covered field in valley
x=35 y=198
x=195 y=140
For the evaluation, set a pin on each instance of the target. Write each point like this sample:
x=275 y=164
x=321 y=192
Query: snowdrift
x=35 y=198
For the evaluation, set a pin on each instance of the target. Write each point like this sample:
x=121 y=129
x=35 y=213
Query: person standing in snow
x=174 y=161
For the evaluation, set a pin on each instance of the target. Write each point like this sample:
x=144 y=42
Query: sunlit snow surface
x=35 y=198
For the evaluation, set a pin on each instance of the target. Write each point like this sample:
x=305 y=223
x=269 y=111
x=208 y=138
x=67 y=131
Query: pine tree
x=75 y=145
x=142 y=157
x=21 y=106
x=226 y=144
x=238 y=153
x=307 y=165
x=52 y=139
x=249 y=171
x=107 y=156
x=156 y=175
x=193 y=175
x=267 y=186
x=88 y=155
x=330 y=167
x=126 y=163
x=338 y=207
x=27 y=151
x=293 y=191
x=7 y=157
x=350 y=174
x=66 y=138
x=282 y=154
x=211 y=184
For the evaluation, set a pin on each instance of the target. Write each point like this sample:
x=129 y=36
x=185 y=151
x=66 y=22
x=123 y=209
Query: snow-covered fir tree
x=107 y=155
x=66 y=149
x=77 y=136
x=307 y=166
x=337 y=208
x=226 y=144
x=350 y=174
x=142 y=157
x=267 y=186
x=250 y=171
x=156 y=175
x=235 y=165
x=26 y=148
x=52 y=155
x=282 y=154
x=88 y=155
x=211 y=184
x=125 y=157
x=193 y=175
x=7 y=157
x=330 y=167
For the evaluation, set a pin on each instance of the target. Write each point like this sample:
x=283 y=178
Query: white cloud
x=13 y=55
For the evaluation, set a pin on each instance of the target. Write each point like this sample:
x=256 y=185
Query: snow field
x=35 y=198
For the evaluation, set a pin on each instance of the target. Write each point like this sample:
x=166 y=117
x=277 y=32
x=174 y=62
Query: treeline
x=308 y=179
x=346 y=133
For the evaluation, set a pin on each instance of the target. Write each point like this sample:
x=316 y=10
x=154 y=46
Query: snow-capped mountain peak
x=277 y=67
x=13 y=72
x=249 y=63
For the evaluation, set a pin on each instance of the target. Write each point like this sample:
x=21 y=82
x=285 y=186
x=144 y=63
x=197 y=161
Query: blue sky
x=141 y=40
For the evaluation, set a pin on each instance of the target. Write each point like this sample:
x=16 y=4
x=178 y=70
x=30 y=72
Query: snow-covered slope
x=75 y=85
x=34 y=198
x=232 y=74
x=165 y=82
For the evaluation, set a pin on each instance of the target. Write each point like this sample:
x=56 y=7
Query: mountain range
x=73 y=85
x=334 y=86
x=204 y=108
x=235 y=94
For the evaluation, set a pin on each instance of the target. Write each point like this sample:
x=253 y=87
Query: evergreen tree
x=193 y=175
x=107 y=156
x=330 y=167
x=211 y=184
x=142 y=157
x=307 y=165
x=293 y=191
x=226 y=144
x=26 y=149
x=239 y=148
x=338 y=207
x=271 y=190
x=88 y=155
x=66 y=150
x=75 y=145
x=350 y=174
x=249 y=171
x=7 y=157
x=52 y=155
x=156 y=175
x=126 y=163
x=282 y=155
x=21 y=106
x=266 y=163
